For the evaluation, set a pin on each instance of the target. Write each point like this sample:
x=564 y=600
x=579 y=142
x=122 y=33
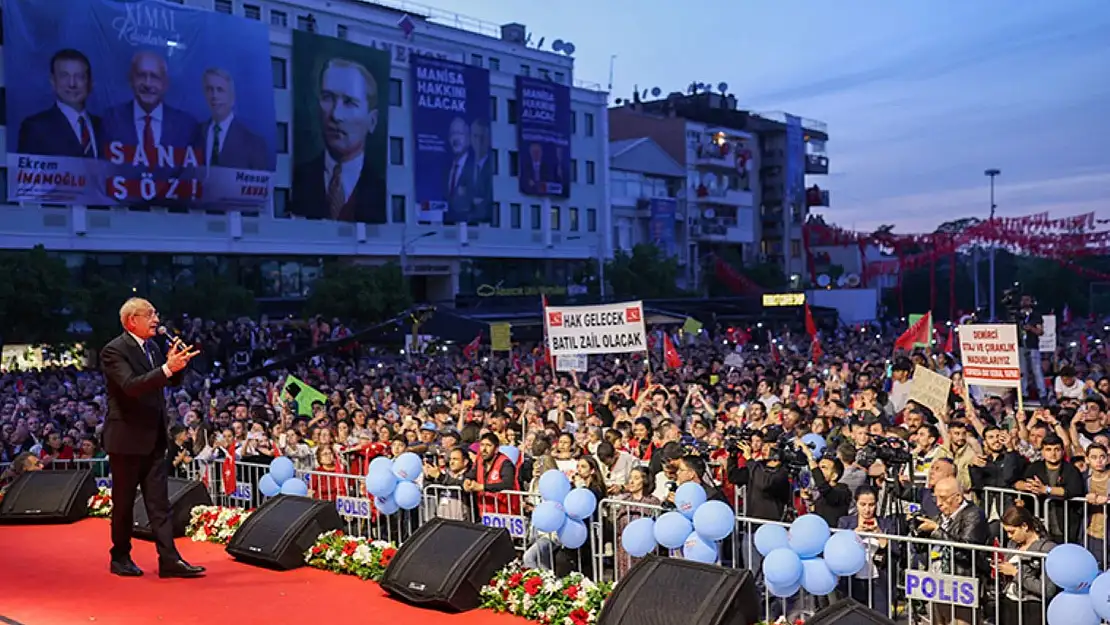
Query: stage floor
x=58 y=575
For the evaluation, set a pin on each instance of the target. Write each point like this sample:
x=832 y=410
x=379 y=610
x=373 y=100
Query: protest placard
x=578 y=363
x=990 y=355
x=930 y=389
x=1048 y=338
x=605 y=329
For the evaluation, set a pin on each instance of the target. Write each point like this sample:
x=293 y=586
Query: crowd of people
x=770 y=431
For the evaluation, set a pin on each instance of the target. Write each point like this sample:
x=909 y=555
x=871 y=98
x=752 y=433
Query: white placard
x=1048 y=338
x=937 y=588
x=605 y=329
x=930 y=389
x=353 y=507
x=578 y=363
x=990 y=355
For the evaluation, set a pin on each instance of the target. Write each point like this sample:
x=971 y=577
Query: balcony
x=816 y=196
x=724 y=229
x=817 y=164
x=719 y=151
x=723 y=195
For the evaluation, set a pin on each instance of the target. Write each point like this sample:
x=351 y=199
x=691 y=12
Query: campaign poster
x=575 y=331
x=453 y=165
x=139 y=103
x=543 y=132
x=340 y=129
x=661 y=222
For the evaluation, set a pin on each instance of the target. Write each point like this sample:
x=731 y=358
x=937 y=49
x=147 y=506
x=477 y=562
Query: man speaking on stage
x=135 y=435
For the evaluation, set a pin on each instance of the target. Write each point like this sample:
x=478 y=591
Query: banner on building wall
x=180 y=114
x=795 y=171
x=606 y=329
x=543 y=136
x=661 y=223
x=453 y=165
x=340 y=129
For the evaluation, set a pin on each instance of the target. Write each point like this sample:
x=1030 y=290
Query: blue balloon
x=1072 y=608
x=407 y=495
x=783 y=568
x=408 y=467
x=1100 y=595
x=714 y=520
x=380 y=463
x=816 y=443
x=688 y=497
x=817 y=579
x=671 y=530
x=510 y=452
x=697 y=549
x=294 y=486
x=845 y=554
x=268 y=485
x=549 y=516
x=1071 y=567
x=386 y=505
x=807 y=535
x=573 y=534
x=785 y=590
x=281 y=468
x=580 y=503
x=381 y=482
x=770 y=537
x=554 y=485
x=638 y=537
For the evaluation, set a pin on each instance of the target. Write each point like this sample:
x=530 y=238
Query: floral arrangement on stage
x=541 y=596
x=351 y=555
x=215 y=524
x=100 y=504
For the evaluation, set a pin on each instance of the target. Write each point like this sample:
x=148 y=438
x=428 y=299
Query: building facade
x=526 y=240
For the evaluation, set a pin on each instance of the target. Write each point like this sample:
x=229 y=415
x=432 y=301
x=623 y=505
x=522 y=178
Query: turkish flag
x=920 y=332
x=670 y=354
x=227 y=471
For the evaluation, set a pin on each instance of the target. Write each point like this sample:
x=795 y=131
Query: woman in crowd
x=1027 y=589
x=328 y=481
x=638 y=503
x=869 y=585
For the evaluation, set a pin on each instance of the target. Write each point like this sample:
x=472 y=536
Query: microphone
x=173 y=340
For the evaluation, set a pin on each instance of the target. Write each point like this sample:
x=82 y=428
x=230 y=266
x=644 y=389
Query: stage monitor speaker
x=48 y=497
x=279 y=533
x=662 y=590
x=184 y=496
x=445 y=564
x=848 y=612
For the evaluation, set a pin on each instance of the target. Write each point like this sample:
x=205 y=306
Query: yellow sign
x=490 y=290
x=500 y=337
x=691 y=326
x=771 y=300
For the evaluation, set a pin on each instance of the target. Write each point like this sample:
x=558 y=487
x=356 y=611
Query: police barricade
x=356 y=507
x=611 y=560
x=245 y=494
x=509 y=509
x=1078 y=520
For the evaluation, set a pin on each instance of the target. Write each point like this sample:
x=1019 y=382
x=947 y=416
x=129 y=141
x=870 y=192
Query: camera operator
x=1030 y=329
x=768 y=495
x=833 y=499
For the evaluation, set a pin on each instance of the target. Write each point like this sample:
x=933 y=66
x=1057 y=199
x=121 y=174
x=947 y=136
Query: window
x=224 y=6
x=277 y=66
x=525 y=70
x=396 y=151
x=495 y=158
x=279 y=18
x=4 y=183
x=560 y=77
x=476 y=59
x=589 y=124
x=493 y=108
x=572 y=217
x=545 y=74
x=282 y=137
x=3 y=106
x=556 y=219
x=795 y=248
x=537 y=217
x=495 y=64
x=574 y=170
x=512 y=111
x=514 y=215
x=591 y=219
x=573 y=122
x=306 y=23
x=341 y=31
x=252 y=12
x=281 y=201
x=397 y=209
x=396 y=92
x=495 y=218
x=514 y=163
x=590 y=173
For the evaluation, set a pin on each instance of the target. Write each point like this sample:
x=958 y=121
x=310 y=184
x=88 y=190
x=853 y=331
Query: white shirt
x=142 y=346
x=899 y=394
x=618 y=474
x=348 y=175
x=155 y=126
x=210 y=137
x=74 y=117
x=1075 y=391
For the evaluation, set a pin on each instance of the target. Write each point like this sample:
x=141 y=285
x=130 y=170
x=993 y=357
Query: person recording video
x=1030 y=329
x=769 y=493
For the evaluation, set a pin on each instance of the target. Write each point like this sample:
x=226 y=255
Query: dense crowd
x=732 y=415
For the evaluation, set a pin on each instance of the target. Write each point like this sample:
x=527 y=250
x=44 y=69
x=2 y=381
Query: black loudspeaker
x=279 y=533
x=662 y=590
x=445 y=564
x=848 y=612
x=184 y=496
x=48 y=497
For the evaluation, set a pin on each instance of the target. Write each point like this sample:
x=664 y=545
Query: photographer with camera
x=1030 y=328
x=769 y=494
x=832 y=499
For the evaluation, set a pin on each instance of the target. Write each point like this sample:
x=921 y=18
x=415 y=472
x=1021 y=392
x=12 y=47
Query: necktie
x=149 y=146
x=86 y=137
x=215 y=160
x=454 y=177
x=148 y=347
x=336 y=197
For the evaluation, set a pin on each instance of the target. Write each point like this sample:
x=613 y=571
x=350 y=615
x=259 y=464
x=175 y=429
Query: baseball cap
x=429 y=427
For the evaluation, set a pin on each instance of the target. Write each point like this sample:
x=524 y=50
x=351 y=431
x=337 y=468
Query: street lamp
x=992 y=173
x=405 y=243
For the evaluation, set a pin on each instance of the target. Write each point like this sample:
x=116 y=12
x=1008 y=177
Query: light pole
x=405 y=243
x=992 y=173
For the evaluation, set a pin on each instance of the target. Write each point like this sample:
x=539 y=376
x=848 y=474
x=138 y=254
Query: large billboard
x=661 y=223
x=137 y=103
x=453 y=166
x=340 y=129
x=543 y=136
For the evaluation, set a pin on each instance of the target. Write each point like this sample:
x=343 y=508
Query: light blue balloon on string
x=1072 y=608
x=816 y=443
x=770 y=537
x=688 y=497
x=281 y=468
x=671 y=529
x=807 y=535
x=294 y=486
x=573 y=534
x=580 y=503
x=268 y=486
x=407 y=495
x=697 y=549
x=714 y=520
x=378 y=462
x=1071 y=567
x=381 y=481
x=554 y=485
x=408 y=467
x=784 y=590
x=1100 y=595
x=783 y=568
x=549 y=516
x=510 y=452
x=817 y=579
x=386 y=505
x=845 y=553
x=638 y=537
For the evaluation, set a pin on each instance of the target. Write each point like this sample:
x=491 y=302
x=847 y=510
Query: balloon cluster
x=281 y=479
x=696 y=526
x=393 y=482
x=1085 y=599
x=564 y=509
x=792 y=558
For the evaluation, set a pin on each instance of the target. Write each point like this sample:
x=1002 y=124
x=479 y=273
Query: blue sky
x=920 y=96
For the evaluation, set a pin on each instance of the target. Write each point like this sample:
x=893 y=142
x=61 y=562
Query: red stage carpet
x=58 y=575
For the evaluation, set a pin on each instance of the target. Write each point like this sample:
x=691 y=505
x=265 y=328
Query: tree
x=646 y=273
x=208 y=295
x=37 y=299
x=360 y=294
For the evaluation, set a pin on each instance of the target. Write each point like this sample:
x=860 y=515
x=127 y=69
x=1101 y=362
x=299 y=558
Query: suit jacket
x=48 y=133
x=968 y=526
x=137 y=419
x=460 y=200
x=310 y=194
x=178 y=130
x=241 y=149
x=481 y=210
x=529 y=182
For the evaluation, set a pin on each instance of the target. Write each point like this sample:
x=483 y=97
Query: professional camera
x=786 y=452
x=1011 y=301
x=693 y=446
x=734 y=435
x=892 y=450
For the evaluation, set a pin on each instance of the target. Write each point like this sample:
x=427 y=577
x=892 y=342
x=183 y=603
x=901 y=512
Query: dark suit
x=532 y=184
x=48 y=133
x=460 y=195
x=135 y=437
x=481 y=210
x=240 y=148
x=178 y=130
x=310 y=194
